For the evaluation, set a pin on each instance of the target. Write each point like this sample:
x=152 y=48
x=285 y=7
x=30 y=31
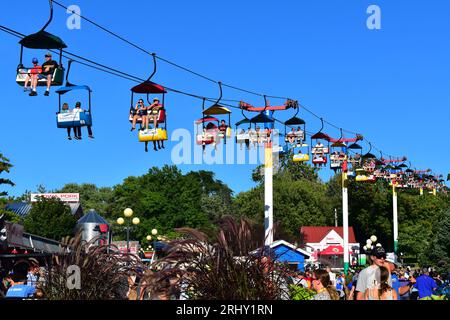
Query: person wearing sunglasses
x=322 y=285
x=139 y=111
x=369 y=278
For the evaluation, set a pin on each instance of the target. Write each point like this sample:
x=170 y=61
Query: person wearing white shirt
x=332 y=276
x=78 y=129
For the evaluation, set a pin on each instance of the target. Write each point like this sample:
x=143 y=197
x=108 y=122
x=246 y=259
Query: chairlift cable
x=115 y=72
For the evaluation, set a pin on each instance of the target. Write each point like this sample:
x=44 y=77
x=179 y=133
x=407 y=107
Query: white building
x=326 y=245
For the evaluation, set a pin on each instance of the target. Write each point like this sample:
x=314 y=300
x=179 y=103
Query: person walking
x=425 y=284
x=367 y=278
x=322 y=285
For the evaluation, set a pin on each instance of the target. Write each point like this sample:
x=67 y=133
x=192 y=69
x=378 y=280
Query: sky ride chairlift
x=339 y=157
x=257 y=137
x=320 y=151
x=42 y=40
x=148 y=87
x=214 y=130
x=367 y=172
x=73 y=118
x=295 y=138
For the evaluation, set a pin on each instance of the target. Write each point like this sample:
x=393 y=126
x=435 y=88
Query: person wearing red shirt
x=33 y=76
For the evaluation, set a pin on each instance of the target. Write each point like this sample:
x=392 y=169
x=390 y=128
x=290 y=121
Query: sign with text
x=65 y=197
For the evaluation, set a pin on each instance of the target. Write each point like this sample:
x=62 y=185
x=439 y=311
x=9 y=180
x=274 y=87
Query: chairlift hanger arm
x=51 y=15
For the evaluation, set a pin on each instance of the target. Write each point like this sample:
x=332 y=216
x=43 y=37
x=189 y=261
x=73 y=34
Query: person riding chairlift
x=33 y=74
x=153 y=112
x=140 y=111
x=77 y=130
x=48 y=68
x=65 y=109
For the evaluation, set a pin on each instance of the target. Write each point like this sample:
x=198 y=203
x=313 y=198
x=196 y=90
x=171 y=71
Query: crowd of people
x=384 y=279
x=24 y=281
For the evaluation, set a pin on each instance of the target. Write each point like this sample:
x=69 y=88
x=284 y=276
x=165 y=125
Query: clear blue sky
x=391 y=85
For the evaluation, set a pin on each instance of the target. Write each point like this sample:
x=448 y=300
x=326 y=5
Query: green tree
x=5 y=166
x=50 y=218
x=92 y=197
x=166 y=199
x=439 y=249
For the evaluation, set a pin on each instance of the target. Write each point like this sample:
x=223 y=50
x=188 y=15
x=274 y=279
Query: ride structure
x=295 y=138
x=42 y=40
x=320 y=151
x=73 y=118
x=209 y=128
x=158 y=133
x=262 y=117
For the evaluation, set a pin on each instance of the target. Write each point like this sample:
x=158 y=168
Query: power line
x=101 y=67
x=114 y=34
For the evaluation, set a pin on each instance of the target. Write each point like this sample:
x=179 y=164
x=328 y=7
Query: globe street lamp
x=155 y=237
x=128 y=213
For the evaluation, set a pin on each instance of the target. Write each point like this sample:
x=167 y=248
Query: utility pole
x=268 y=195
x=345 y=216
x=394 y=207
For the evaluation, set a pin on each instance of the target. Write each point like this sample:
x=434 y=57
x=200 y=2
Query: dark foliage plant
x=234 y=265
x=104 y=272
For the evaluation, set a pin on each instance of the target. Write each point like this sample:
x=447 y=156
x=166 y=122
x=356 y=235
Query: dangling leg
x=154 y=146
x=27 y=80
x=133 y=124
x=49 y=82
x=89 y=128
x=146 y=146
x=68 y=134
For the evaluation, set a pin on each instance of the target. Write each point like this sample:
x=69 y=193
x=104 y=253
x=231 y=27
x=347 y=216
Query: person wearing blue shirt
x=401 y=289
x=425 y=284
x=19 y=289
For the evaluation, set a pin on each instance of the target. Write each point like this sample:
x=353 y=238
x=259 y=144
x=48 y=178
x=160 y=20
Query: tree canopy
x=50 y=218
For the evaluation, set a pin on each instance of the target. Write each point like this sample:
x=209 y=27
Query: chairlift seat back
x=300 y=157
x=57 y=77
x=73 y=119
x=242 y=137
x=319 y=160
x=324 y=150
x=157 y=134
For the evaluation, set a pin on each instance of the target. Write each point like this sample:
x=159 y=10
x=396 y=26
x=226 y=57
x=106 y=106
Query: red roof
x=316 y=234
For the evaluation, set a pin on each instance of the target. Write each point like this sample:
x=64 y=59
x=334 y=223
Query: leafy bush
x=300 y=293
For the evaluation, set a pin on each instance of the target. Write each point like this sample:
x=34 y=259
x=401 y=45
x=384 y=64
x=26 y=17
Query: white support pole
x=345 y=220
x=394 y=207
x=268 y=196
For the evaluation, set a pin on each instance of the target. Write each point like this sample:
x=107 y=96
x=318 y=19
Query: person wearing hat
x=77 y=130
x=153 y=112
x=392 y=264
x=32 y=76
x=48 y=68
x=369 y=277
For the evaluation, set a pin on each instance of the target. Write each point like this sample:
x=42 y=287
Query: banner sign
x=68 y=116
x=65 y=197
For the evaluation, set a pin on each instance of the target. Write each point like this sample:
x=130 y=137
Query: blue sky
x=391 y=85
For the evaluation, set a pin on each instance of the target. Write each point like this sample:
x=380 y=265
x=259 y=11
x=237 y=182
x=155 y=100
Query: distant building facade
x=326 y=245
